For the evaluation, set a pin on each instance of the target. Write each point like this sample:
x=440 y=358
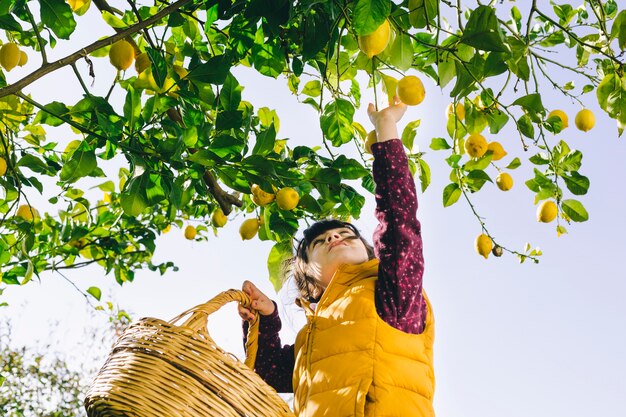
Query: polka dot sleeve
x=397 y=240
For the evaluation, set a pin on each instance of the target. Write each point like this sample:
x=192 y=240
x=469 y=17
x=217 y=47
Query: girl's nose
x=333 y=236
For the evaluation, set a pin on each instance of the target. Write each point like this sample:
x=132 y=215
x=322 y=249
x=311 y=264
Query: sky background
x=512 y=339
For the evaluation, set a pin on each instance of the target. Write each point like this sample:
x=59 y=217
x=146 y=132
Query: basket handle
x=200 y=314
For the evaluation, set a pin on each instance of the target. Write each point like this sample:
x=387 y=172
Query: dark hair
x=298 y=265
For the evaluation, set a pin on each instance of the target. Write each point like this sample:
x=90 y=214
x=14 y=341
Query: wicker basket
x=160 y=369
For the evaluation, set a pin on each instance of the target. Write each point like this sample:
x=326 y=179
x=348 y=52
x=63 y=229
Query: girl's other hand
x=260 y=302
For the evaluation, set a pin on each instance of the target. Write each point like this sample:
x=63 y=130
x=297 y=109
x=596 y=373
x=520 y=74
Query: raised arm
x=397 y=238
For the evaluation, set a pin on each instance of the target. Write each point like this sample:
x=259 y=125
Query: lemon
x=547 y=211
x=142 y=62
x=497 y=151
x=27 y=212
x=561 y=115
x=106 y=198
x=410 y=90
x=167 y=228
x=460 y=111
x=3 y=166
x=23 y=59
x=371 y=139
x=76 y=5
x=260 y=197
x=287 y=198
x=121 y=55
x=375 y=42
x=504 y=181
x=9 y=56
x=483 y=245
x=190 y=232
x=476 y=145
x=585 y=120
x=249 y=228
x=218 y=218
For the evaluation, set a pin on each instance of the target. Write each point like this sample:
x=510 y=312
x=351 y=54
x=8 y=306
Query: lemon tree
x=194 y=151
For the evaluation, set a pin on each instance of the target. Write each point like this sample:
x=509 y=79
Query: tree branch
x=225 y=200
x=68 y=60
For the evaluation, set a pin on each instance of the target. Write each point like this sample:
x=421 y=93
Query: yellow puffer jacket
x=349 y=362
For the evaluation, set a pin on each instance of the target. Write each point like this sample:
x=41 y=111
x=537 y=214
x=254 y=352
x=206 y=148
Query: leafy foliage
x=191 y=144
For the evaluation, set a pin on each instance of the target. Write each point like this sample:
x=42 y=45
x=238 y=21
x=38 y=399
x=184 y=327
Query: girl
x=367 y=348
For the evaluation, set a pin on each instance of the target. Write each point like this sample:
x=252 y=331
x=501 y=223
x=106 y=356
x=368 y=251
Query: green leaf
x=497 y=120
x=451 y=194
x=265 y=141
x=515 y=163
x=113 y=21
x=50 y=112
x=467 y=74
x=518 y=63
x=401 y=52
x=350 y=169
x=8 y=22
x=159 y=66
x=476 y=179
x=531 y=103
x=278 y=254
x=336 y=122
x=230 y=95
x=438 y=144
x=478 y=164
x=132 y=107
x=525 y=126
x=424 y=174
x=540 y=159
x=612 y=98
x=483 y=30
x=422 y=12
x=368 y=15
x=317 y=32
x=34 y=163
x=133 y=199
x=618 y=31
x=575 y=210
x=58 y=16
x=94 y=292
x=268 y=59
x=409 y=133
x=214 y=71
x=81 y=164
x=571 y=161
x=576 y=183
x=312 y=88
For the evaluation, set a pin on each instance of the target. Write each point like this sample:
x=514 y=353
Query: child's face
x=333 y=248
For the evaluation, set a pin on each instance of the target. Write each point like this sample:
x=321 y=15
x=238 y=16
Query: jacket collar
x=346 y=275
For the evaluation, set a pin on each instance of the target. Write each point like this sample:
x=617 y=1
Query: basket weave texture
x=158 y=368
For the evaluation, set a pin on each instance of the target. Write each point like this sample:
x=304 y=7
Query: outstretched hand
x=385 y=120
x=260 y=302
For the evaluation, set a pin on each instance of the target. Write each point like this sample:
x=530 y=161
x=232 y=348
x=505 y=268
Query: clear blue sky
x=512 y=340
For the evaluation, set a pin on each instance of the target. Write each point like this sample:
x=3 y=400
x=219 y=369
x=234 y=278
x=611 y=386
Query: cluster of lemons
x=11 y=56
x=409 y=89
x=122 y=55
x=285 y=198
x=585 y=119
x=547 y=211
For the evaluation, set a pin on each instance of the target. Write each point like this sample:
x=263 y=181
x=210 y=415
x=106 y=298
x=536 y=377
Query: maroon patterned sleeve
x=274 y=362
x=397 y=240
